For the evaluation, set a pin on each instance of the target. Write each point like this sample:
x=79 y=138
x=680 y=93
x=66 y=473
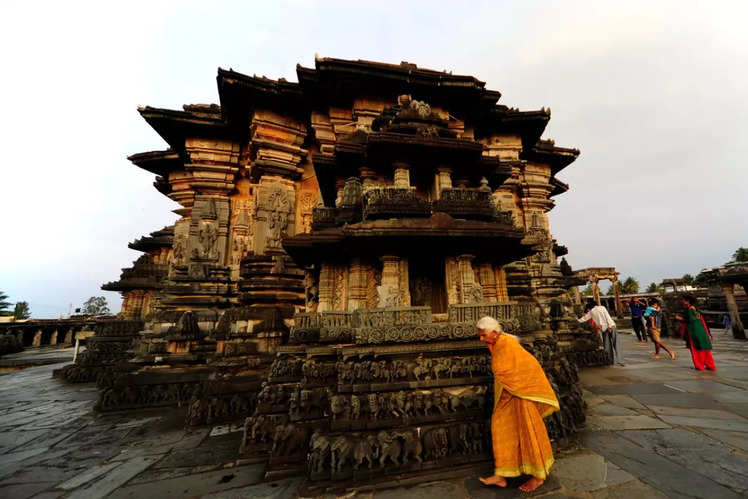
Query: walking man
x=607 y=328
x=637 y=312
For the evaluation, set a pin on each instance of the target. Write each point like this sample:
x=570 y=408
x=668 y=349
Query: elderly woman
x=522 y=398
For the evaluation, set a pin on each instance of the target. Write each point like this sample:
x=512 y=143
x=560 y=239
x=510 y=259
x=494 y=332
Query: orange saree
x=522 y=398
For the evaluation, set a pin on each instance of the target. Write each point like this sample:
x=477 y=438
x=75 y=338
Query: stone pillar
x=469 y=290
x=37 y=338
x=738 y=331
x=357 y=285
x=617 y=295
x=502 y=294
x=402 y=176
x=53 y=338
x=443 y=181
x=368 y=178
x=596 y=292
x=394 y=290
x=487 y=280
x=577 y=296
x=339 y=184
x=326 y=288
x=69 y=336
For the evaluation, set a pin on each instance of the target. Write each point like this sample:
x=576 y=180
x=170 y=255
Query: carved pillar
x=487 y=280
x=368 y=178
x=577 y=296
x=394 y=290
x=617 y=295
x=37 y=338
x=358 y=275
x=69 y=336
x=326 y=287
x=469 y=290
x=502 y=294
x=402 y=176
x=596 y=291
x=442 y=181
x=339 y=184
x=53 y=338
x=738 y=332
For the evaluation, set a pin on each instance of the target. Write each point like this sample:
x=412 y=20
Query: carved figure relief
x=279 y=206
x=308 y=201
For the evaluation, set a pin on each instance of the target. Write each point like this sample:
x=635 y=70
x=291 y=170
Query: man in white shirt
x=606 y=327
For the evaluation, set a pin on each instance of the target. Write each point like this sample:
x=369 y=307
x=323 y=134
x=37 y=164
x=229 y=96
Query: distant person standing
x=726 y=323
x=637 y=313
x=653 y=315
x=606 y=326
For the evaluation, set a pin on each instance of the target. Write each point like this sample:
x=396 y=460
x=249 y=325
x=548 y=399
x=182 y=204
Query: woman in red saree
x=522 y=398
x=697 y=335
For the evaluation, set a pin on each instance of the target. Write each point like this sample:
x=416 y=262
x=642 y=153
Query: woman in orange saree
x=522 y=398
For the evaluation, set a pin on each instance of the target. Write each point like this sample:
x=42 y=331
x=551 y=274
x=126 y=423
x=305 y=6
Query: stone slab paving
x=656 y=428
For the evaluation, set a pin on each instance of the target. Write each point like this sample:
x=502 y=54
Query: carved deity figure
x=278 y=218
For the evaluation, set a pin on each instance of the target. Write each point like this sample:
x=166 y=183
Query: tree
x=652 y=288
x=587 y=290
x=629 y=286
x=22 y=310
x=740 y=255
x=688 y=279
x=4 y=304
x=96 y=305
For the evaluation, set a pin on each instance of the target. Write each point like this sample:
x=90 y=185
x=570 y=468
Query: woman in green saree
x=696 y=333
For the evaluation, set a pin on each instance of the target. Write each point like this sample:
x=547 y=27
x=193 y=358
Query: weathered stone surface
x=637 y=422
x=115 y=478
x=695 y=451
x=653 y=469
x=284 y=489
x=194 y=485
x=581 y=472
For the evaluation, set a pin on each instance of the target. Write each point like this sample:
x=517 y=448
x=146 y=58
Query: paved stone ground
x=656 y=428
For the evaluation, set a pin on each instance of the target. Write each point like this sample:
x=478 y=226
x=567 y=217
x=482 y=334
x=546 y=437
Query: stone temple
x=337 y=240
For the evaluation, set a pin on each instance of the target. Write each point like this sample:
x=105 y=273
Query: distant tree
x=652 y=288
x=740 y=255
x=4 y=304
x=587 y=290
x=629 y=286
x=688 y=279
x=96 y=305
x=22 y=310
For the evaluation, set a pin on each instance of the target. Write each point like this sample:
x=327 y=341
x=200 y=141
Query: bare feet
x=656 y=356
x=530 y=485
x=622 y=364
x=494 y=480
x=672 y=355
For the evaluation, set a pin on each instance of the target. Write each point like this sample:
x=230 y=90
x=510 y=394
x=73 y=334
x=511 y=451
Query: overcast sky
x=652 y=93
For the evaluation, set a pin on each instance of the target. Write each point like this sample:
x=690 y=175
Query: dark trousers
x=638 y=325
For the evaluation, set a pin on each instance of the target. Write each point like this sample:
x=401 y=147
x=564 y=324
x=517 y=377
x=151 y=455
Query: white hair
x=489 y=324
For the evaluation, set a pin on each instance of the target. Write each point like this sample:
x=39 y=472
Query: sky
x=652 y=93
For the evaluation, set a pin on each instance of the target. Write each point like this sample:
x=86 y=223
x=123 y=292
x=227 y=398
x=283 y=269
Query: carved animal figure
x=389 y=447
x=365 y=450
x=341 y=450
x=319 y=452
x=338 y=406
x=435 y=443
x=412 y=447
